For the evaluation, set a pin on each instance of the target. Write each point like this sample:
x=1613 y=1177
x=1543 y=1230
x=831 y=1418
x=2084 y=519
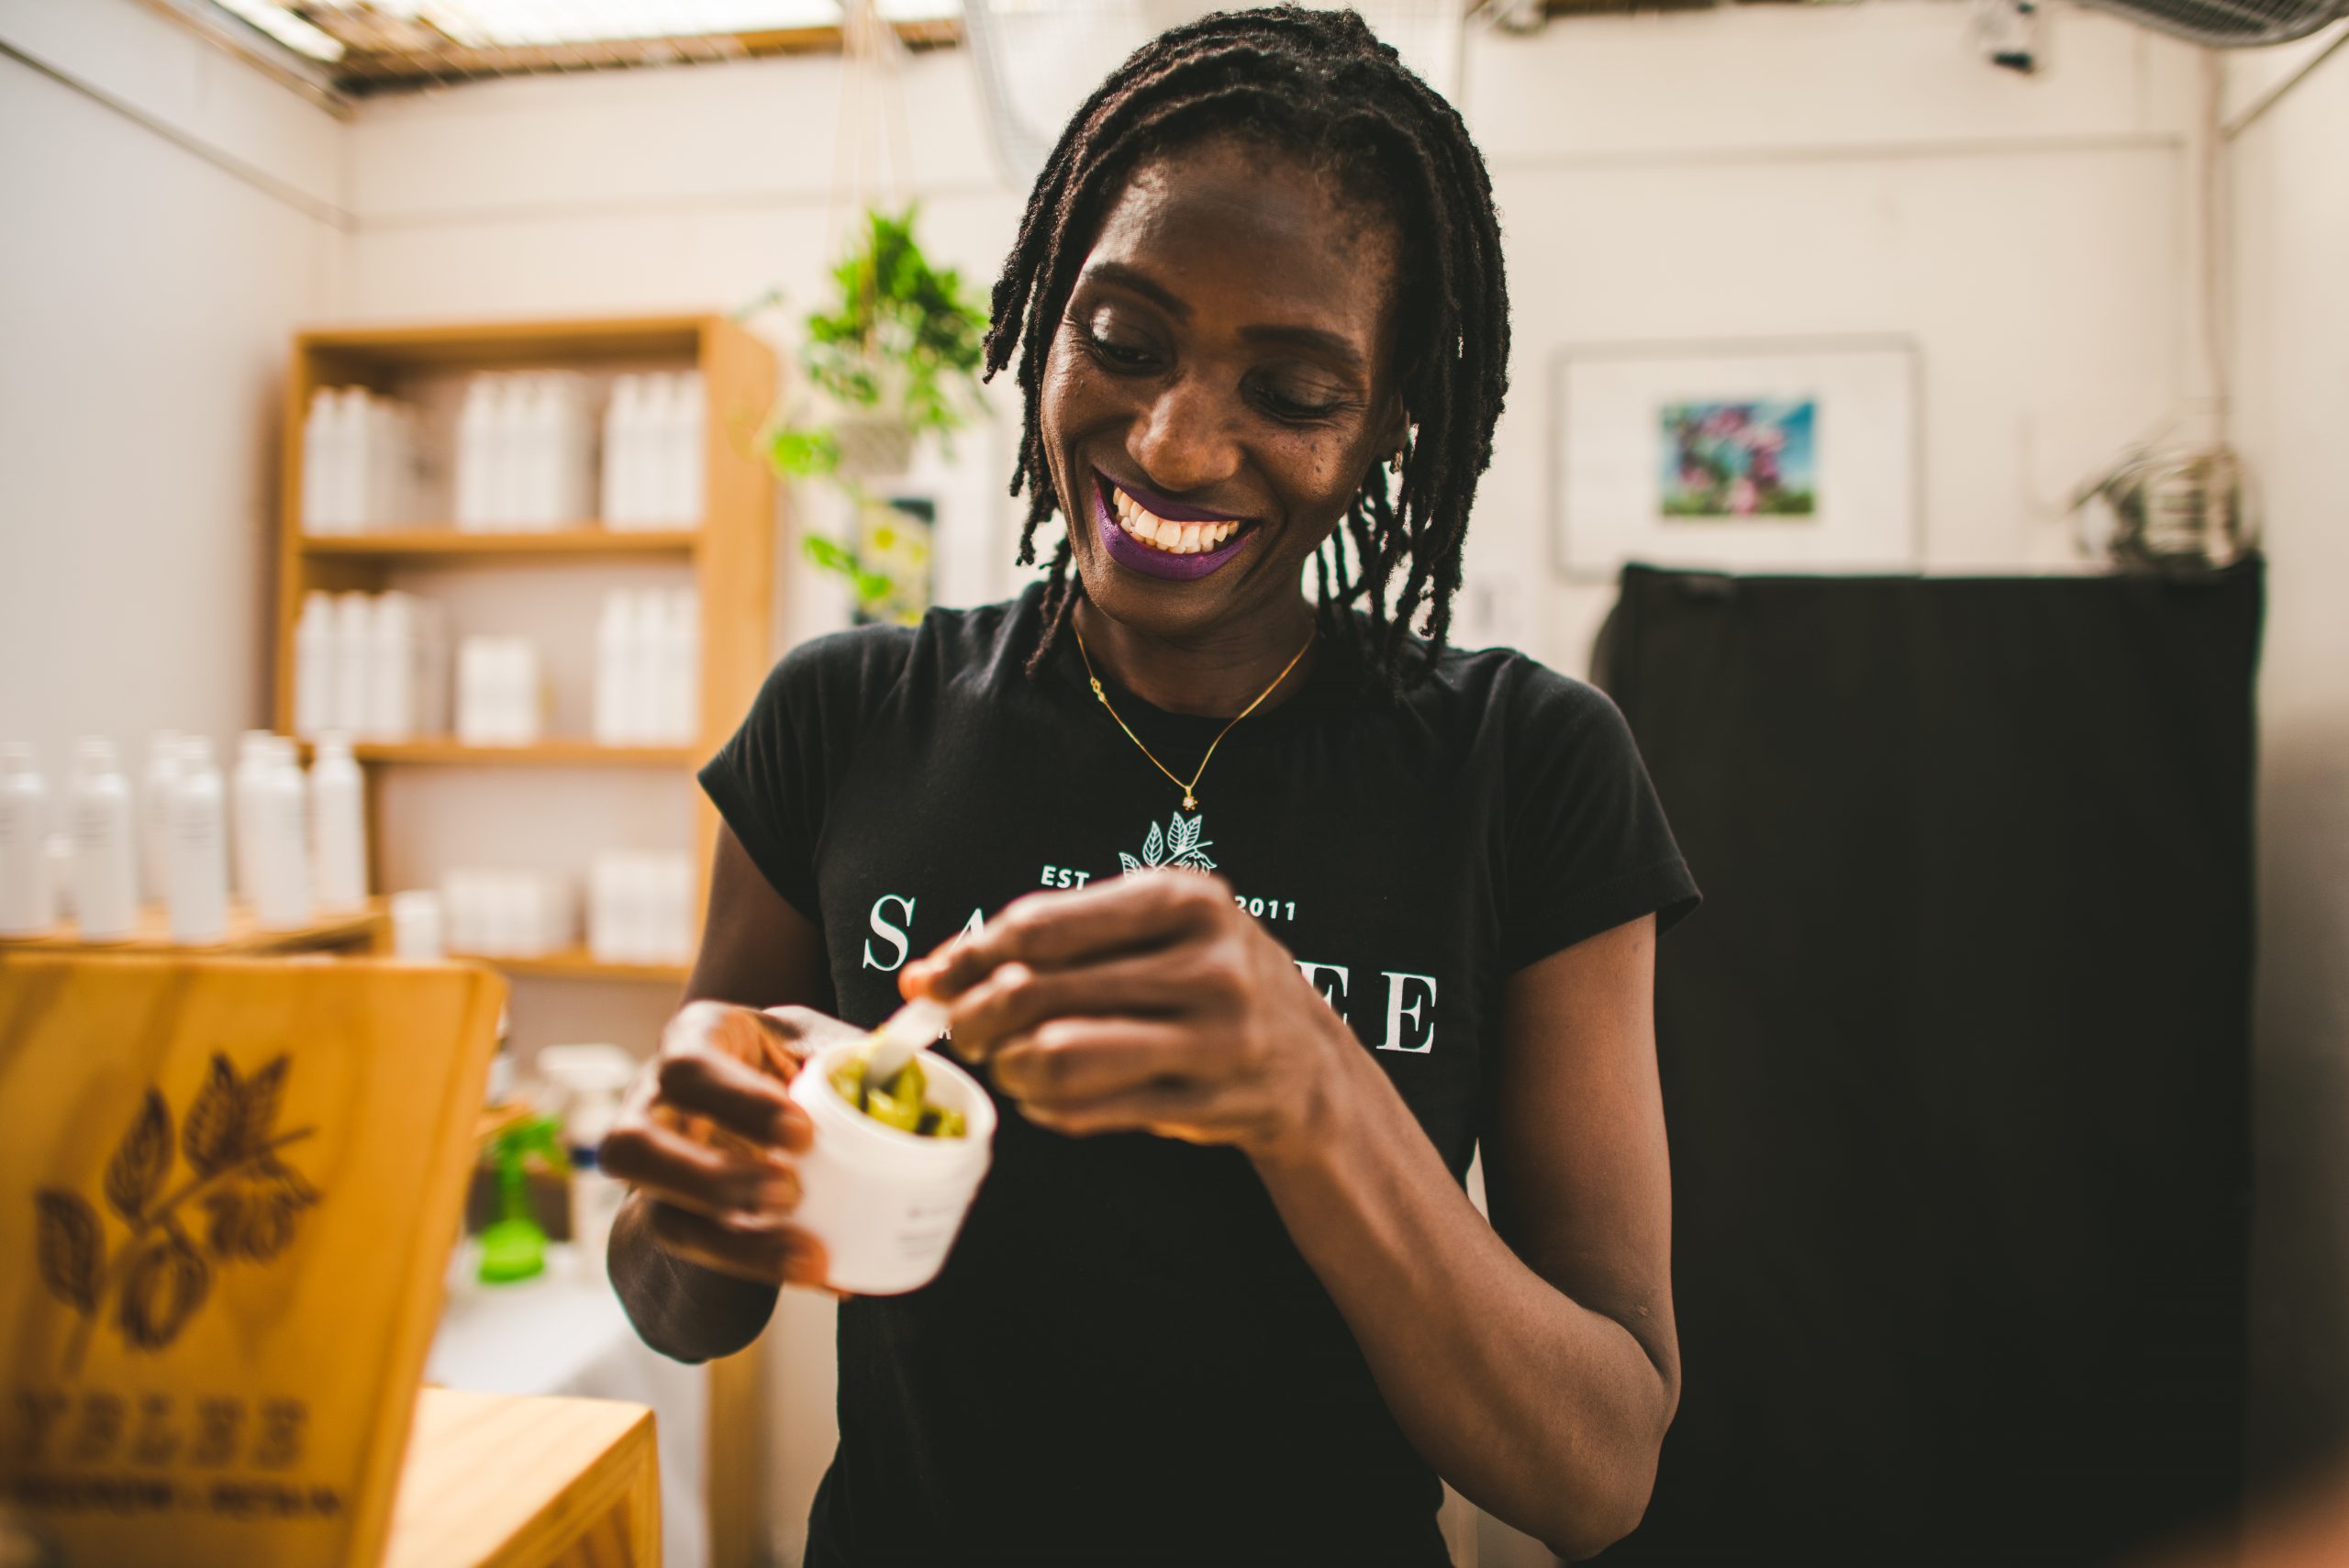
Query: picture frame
x=1798 y=455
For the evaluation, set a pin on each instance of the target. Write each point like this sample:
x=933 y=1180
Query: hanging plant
x=896 y=355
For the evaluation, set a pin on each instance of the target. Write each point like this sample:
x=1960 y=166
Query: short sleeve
x=1588 y=845
x=771 y=780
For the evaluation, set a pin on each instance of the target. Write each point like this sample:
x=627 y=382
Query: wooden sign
x=228 y=1192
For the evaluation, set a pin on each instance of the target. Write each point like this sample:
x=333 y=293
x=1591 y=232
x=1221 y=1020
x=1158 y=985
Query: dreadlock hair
x=1322 y=85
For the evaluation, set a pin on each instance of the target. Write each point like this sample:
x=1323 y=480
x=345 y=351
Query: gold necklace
x=1190 y=790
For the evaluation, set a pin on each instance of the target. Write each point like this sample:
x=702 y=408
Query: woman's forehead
x=1234 y=223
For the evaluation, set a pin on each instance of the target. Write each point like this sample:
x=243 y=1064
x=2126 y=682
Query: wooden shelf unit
x=367 y=930
x=731 y=553
x=731 y=556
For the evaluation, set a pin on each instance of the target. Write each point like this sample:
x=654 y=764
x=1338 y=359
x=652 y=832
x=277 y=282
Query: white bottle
x=314 y=673
x=688 y=429
x=199 y=900
x=639 y=700
x=615 y=633
x=337 y=826
x=658 y=479
x=475 y=720
x=155 y=816
x=620 y=418
x=244 y=813
x=592 y=1078
x=521 y=692
x=347 y=499
x=106 y=845
x=417 y=922
x=354 y=633
x=317 y=433
x=281 y=841
x=392 y=670
x=474 y=435
x=508 y=479
x=679 y=653
x=28 y=898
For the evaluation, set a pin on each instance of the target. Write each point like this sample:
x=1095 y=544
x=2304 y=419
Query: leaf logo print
x=138 y=1165
x=1181 y=845
x=70 y=1246
x=158 y=1278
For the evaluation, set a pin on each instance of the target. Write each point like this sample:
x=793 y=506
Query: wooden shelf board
x=360 y=929
x=578 y=963
x=434 y=345
x=450 y=541
x=566 y=752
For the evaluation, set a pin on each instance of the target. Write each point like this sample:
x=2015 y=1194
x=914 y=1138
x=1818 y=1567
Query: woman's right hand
x=706 y=1134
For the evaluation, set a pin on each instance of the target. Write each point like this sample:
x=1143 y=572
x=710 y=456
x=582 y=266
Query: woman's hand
x=706 y=1137
x=1150 y=1004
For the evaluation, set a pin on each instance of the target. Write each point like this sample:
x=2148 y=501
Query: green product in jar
x=901 y=1102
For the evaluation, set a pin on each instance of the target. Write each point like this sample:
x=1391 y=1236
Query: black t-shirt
x=1126 y=1358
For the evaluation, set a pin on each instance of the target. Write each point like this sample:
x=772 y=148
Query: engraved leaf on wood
x=215 y=1122
x=1153 y=849
x=141 y=1160
x=259 y=1101
x=68 y=1248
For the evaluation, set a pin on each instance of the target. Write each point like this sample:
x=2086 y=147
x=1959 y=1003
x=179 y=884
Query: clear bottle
x=28 y=895
x=337 y=826
x=282 y=854
x=199 y=900
x=155 y=814
x=106 y=845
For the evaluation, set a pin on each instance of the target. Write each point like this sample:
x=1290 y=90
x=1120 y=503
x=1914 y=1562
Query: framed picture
x=1749 y=457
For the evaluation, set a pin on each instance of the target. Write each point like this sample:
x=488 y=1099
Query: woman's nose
x=1184 y=441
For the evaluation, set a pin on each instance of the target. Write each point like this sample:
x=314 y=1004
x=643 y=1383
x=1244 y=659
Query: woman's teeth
x=1175 y=539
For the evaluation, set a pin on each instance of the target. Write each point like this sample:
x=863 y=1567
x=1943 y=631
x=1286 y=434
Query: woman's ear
x=1395 y=433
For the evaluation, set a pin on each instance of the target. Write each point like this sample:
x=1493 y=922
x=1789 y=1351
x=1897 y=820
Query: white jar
x=888 y=1204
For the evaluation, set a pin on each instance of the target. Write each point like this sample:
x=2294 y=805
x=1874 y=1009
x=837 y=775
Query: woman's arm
x=1538 y=1381
x=695 y=1254
x=1536 y=1368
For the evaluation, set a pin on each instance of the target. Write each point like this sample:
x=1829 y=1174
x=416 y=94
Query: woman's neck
x=1215 y=675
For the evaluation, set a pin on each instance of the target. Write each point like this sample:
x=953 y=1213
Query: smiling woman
x=1222 y=1298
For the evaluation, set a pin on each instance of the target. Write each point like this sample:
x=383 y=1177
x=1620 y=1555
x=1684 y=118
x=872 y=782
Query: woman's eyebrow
x=1158 y=293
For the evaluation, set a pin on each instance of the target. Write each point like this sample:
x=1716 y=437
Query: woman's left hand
x=1150 y=1004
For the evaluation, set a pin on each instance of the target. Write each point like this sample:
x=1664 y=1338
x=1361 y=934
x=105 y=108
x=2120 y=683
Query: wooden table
x=505 y=1480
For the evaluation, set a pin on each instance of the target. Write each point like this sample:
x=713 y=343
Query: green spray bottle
x=513 y=1247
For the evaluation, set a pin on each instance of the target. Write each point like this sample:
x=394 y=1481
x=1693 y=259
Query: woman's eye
x=1291 y=403
x=1115 y=354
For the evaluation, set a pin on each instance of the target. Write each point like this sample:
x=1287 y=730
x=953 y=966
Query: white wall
x=2289 y=256
x=171 y=217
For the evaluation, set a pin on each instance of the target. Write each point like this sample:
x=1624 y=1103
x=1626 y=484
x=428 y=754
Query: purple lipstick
x=1152 y=560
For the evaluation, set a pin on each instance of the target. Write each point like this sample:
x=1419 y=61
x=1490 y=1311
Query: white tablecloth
x=563 y=1332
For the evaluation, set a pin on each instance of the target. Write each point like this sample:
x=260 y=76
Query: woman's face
x=1218 y=384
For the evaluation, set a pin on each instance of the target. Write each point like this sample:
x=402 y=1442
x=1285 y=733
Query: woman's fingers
x=1068 y=1062
x=749 y=1101
x=1016 y=998
x=676 y=1168
x=777 y=1256
x=1052 y=930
